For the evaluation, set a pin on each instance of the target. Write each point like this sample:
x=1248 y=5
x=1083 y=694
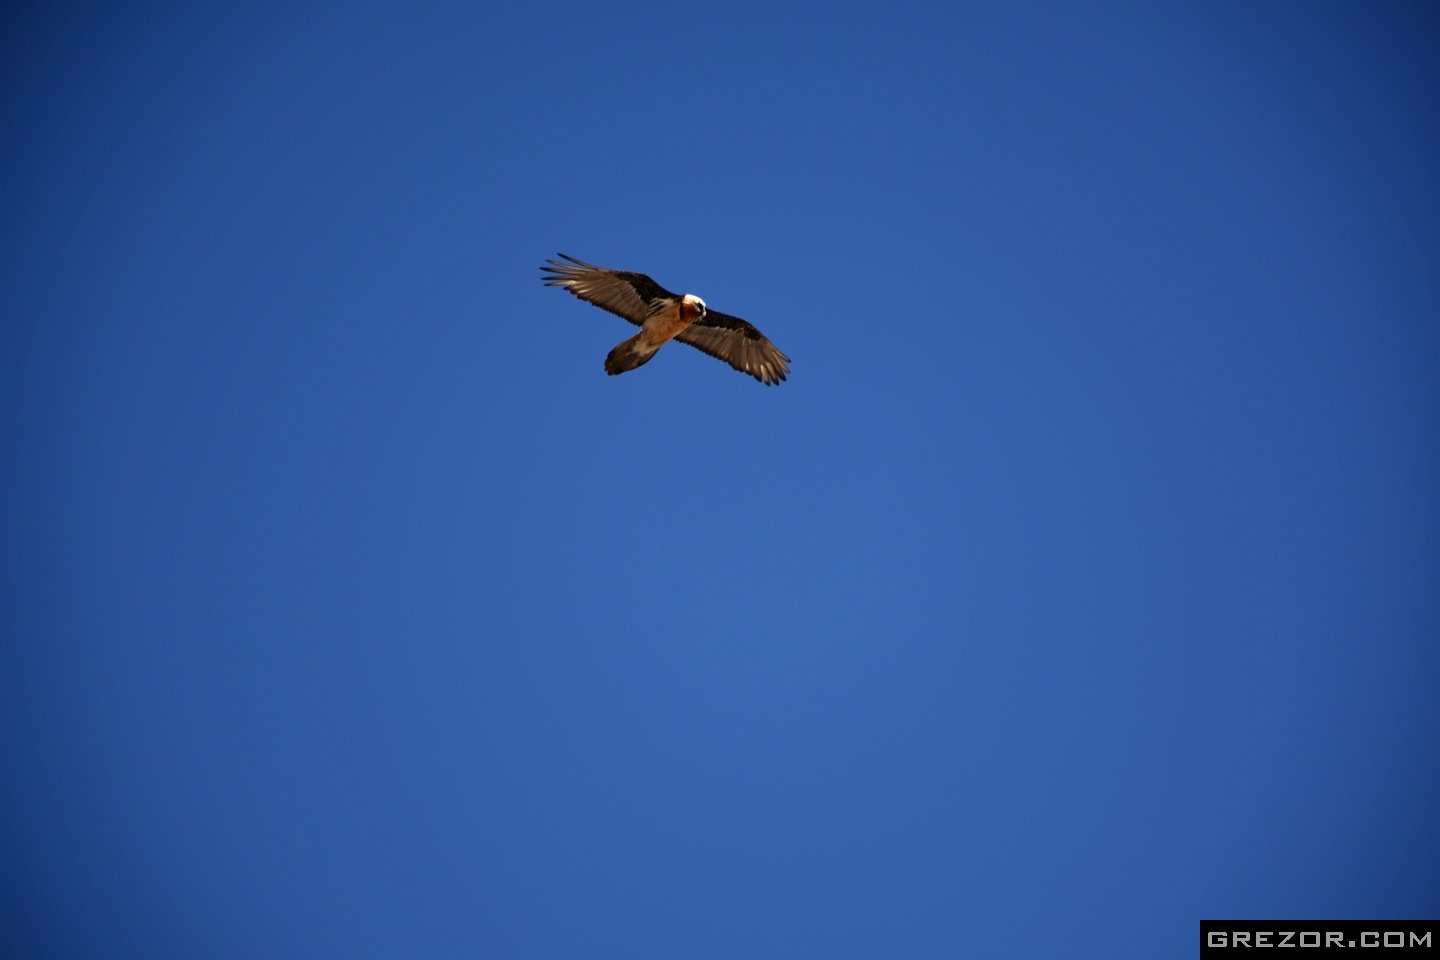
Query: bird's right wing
x=630 y=295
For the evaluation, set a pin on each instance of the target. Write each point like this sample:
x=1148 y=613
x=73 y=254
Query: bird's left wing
x=625 y=294
x=739 y=344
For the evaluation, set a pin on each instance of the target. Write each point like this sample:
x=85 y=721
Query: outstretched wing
x=739 y=344
x=625 y=294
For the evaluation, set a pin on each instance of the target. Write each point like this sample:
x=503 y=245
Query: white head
x=695 y=301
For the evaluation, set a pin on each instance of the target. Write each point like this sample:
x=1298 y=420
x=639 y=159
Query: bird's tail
x=628 y=355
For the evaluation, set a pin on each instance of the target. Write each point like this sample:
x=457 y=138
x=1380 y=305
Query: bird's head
x=691 y=300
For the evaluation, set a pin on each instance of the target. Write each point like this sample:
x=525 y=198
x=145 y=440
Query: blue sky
x=1080 y=583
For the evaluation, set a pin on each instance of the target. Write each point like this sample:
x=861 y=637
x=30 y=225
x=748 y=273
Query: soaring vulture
x=663 y=316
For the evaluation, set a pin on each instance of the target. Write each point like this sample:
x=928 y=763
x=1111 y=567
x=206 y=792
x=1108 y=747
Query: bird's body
x=659 y=328
x=663 y=316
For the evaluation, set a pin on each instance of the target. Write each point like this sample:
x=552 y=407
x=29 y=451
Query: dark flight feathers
x=625 y=294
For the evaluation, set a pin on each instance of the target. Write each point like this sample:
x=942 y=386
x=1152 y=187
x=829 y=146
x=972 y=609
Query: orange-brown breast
x=667 y=323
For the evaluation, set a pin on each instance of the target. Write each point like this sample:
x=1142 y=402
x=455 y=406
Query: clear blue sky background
x=1082 y=582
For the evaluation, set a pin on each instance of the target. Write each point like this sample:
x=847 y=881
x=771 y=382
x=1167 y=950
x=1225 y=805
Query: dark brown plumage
x=663 y=316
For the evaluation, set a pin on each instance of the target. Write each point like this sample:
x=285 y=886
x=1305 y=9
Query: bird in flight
x=663 y=316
